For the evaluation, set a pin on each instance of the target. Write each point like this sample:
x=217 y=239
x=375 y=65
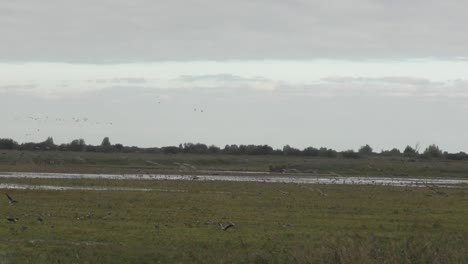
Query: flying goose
x=226 y=227
x=10 y=200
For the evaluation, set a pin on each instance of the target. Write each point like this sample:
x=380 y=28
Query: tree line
x=432 y=151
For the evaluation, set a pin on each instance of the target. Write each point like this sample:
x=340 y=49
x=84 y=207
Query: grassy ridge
x=275 y=223
x=86 y=162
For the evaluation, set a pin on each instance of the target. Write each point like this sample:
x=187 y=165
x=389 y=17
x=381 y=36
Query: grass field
x=85 y=162
x=178 y=222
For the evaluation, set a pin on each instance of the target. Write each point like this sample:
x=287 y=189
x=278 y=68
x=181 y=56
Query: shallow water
x=14 y=186
x=393 y=181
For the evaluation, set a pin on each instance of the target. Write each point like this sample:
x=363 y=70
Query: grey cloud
x=130 y=80
x=220 y=78
x=227 y=82
x=388 y=79
x=227 y=85
x=380 y=87
x=15 y=87
x=143 y=30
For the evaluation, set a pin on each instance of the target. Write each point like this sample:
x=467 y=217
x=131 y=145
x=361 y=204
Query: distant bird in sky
x=10 y=200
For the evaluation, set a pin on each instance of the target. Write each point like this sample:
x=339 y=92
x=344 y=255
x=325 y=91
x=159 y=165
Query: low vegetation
x=151 y=163
x=179 y=222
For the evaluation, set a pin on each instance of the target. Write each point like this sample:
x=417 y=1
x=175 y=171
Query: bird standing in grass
x=40 y=218
x=10 y=200
x=11 y=219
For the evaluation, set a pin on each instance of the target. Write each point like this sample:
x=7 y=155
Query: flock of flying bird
x=12 y=219
x=42 y=120
x=48 y=120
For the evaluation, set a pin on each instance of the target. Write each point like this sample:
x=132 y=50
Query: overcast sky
x=337 y=73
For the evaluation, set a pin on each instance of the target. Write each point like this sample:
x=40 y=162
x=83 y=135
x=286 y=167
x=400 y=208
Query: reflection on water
x=394 y=181
x=14 y=186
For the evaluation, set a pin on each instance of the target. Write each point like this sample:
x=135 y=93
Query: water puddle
x=386 y=181
x=13 y=186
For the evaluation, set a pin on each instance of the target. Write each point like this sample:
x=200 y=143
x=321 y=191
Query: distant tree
x=365 y=150
x=457 y=156
x=255 y=149
x=170 y=150
x=196 y=148
x=432 y=151
x=290 y=151
x=91 y=148
x=265 y=150
x=214 y=149
x=77 y=145
x=242 y=149
x=106 y=142
x=350 y=154
x=6 y=143
x=48 y=144
x=393 y=152
x=63 y=147
x=311 y=152
x=105 y=146
x=231 y=149
x=277 y=152
x=409 y=151
x=328 y=153
x=118 y=147
x=29 y=146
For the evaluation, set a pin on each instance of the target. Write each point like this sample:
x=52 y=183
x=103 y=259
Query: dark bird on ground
x=11 y=200
x=40 y=218
x=11 y=219
x=226 y=227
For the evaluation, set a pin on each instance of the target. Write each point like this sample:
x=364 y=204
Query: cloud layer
x=143 y=30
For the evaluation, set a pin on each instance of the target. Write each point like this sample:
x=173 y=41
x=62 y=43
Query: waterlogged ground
x=177 y=217
x=395 y=181
x=103 y=220
x=189 y=164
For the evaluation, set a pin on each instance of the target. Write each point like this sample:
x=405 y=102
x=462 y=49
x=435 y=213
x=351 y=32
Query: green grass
x=85 y=162
x=275 y=223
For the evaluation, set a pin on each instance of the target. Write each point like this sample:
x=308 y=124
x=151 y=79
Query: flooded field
x=13 y=186
x=385 y=181
x=148 y=218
